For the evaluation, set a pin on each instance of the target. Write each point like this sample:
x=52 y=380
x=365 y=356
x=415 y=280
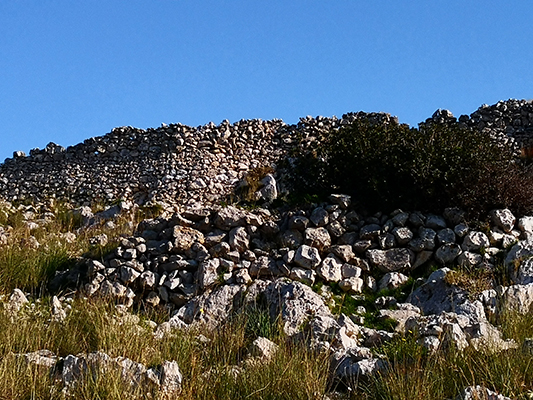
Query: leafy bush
x=389 y=166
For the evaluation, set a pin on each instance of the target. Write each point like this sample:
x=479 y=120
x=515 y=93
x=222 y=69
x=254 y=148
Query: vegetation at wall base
x=385 y=166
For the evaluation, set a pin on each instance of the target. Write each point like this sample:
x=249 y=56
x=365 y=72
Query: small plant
x=474 y=281
x=251 y=184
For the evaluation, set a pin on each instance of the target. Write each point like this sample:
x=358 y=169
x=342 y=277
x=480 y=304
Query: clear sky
x=70 y=69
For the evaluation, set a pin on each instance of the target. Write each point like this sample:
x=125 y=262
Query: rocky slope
x=205 y=262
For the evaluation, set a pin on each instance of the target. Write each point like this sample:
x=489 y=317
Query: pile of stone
x=172 y=259
x=206 y=263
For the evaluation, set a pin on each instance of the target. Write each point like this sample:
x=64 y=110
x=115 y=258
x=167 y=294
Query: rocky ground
x=342 y=283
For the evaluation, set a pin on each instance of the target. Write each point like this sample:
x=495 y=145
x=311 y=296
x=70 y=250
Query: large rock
x=295 y=303
x=212 y=307
x=390 y=260
x=437 y=296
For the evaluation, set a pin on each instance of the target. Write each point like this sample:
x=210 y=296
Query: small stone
x=317 y=237
x=370 y=232
x=351 y=285
x=475 y=241
x=330 y=269
x=319 y=217
x=306 y=276
x=445 y=236
x=402 y=235
x=350 y=271
x=503 y=219
x=392 y=280
x=307 y=257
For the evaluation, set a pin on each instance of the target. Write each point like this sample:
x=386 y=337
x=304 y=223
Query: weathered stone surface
x=435 y=222
x=390 y=260
x=445 y=236
x=350 y=365
x=291 y=239
x=404 y=312
x=318 y=238
x=503 y=219
x=344 y=252
x=525 y=224
x=447 y=253
x=392 y=280
x=295 y=302
x=518 y=298
x=344 y=201
x=319 y=217
x=479 y=392
x=262 y=267
x=17 y=300
x=212 y=307
x=370 y=232
x=330 y=269
x=474 y=241
x=171 y=378
x=298 y=222
x=403 y=235
x=307 y=257
x=239 y=239
x=437 y=296
x=303 y=275
x=351 y=271
x=269 y=191
x=208 y=273
x=263 y=348
x=185 y=237
x=469 y=259
x=351 y=285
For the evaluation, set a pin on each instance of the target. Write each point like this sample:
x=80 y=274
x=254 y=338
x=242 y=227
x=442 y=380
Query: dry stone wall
x=184 y=165
x=174 y=163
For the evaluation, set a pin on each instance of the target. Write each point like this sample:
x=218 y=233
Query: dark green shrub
x=388 y=166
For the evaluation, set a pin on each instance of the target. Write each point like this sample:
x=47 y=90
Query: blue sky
x=71 y=69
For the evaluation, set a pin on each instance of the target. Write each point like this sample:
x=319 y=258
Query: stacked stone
x=171 y=260
x=174 y=163
x=510 y=122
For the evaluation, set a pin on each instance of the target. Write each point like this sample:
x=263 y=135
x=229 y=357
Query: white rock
x=474 y=241
x=330 y=269
x=307 y=257
x=351 y=285
x=503 y=219
x=392 y=280
x=263 y=348
x=303 y=275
